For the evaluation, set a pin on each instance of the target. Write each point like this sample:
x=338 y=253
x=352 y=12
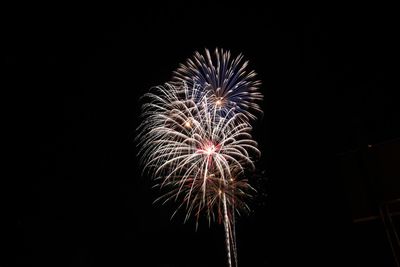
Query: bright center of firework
x=187 y=124
x=218 y=102
x=210 y=149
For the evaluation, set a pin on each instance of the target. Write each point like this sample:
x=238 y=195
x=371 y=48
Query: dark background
x=329 y=80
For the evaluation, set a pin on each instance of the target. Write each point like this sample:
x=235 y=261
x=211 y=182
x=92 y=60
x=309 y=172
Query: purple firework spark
x=225 y=79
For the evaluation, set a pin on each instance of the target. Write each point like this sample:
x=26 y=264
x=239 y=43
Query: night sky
x=329 y=81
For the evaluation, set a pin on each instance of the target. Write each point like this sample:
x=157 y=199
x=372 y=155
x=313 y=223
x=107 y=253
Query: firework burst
x=195 y=139
x=225 y=79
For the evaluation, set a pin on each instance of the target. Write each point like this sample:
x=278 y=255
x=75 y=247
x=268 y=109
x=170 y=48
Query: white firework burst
x=182 y=139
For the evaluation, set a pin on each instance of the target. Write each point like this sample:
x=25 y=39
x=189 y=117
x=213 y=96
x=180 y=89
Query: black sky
x=329 y=80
